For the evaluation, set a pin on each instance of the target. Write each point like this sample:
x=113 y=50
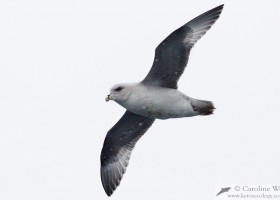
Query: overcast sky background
x=60 y=58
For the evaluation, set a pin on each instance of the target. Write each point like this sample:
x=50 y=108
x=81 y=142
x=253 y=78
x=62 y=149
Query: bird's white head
x=119 y=92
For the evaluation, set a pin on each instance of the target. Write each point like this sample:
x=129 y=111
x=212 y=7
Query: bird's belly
x=169 y=106
x=154 y=112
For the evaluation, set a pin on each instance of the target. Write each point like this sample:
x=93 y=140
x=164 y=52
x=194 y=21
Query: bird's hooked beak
x=107 y=98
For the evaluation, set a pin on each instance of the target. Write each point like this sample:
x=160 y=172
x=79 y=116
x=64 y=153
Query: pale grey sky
x=59 y=60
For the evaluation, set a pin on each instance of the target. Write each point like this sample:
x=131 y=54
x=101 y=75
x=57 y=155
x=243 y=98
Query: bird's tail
x=202 y=107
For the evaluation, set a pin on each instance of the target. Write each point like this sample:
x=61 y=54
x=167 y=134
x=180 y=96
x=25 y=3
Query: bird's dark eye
x=118 y=89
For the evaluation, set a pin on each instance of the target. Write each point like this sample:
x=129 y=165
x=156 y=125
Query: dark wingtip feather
x=212 y=14
x=220 y=7
x=105 y=179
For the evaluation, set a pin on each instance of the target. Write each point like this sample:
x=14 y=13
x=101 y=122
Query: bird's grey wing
x=117 y=147
x=171 y=55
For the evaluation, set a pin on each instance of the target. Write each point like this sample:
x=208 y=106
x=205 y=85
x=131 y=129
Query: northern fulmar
x=155 y=97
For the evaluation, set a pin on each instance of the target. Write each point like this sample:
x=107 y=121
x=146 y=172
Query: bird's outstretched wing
x=171 y=55
x=117 y=147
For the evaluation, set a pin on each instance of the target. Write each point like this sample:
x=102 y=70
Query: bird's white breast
x=157 y=102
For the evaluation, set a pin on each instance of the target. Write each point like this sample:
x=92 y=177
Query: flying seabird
x=155 y=97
